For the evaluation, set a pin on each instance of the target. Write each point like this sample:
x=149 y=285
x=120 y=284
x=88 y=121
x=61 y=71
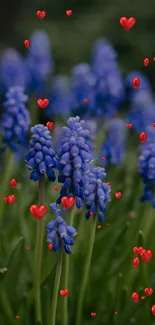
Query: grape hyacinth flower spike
x=74 y=160
x=15 y=120
x=97 y=195
x=60 y=235
x=40 y=160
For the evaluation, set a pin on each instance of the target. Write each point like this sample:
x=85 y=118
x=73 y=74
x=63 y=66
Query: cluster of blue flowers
x=147 y=166
x=97 y=193
x=40 y=158
x=59 y=232
x=113 y=148
x=15 y=120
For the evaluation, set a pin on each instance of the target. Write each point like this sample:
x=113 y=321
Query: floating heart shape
x=153 y=310
x=127 y=23
x=13 y=182
x=99 y=227
x=138 y=250
x=69 y=12
x=93 y=314
x=11 y=199
x=118 y=195
x=135 y=262
x=129 y=126
x=64 y=293
x=38 y=212
x=27 y=43
x=68 y=202
x=56 y=188
x=43 y=102
x=41 y=14
x=148 y=291
x=135 y=296
x=50 y=125
x=146 y=255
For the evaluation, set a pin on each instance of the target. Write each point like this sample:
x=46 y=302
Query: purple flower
x=74 y=160
x=59 y=232
x=97 y=193
x=15 y=121
x=113 y=148
x=40 y=158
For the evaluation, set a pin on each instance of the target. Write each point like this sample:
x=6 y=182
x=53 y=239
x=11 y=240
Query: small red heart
x=135 y=296
x=135 y=262
x=85 y=101
x=5 y=199
x=127 y=23
x=38 y=212
x=146 y=255
x=99 y=227
x=69 y=12
x=91 y=214
x=27 y=43
x=56 y=188
x=11 y=199
x=153 y=310
x=143 y=297
x=41 y=14
x=28 y=248
x=146 y=62
x=50 y=247
x=68 y=202
x=103 y=158
x=64 y=293
x=129 y=126
x=50 y=125
x=13 y=183
x=93 y=314
x=107 y=224
x=17 y=317
x=148 y=291
x=153 y=125
x=42 y=102
x=116 y=312
x=118 y=195
x=108 y=183
x=138 y=250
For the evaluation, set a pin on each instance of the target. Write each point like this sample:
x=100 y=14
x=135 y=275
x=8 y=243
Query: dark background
x=72 y=37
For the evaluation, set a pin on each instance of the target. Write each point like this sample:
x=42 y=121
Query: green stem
x=56 y=288
x=38 y=255
x=66 y=277
x=86 y=271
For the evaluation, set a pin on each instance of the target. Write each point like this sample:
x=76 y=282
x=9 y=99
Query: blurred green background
x=112 y=277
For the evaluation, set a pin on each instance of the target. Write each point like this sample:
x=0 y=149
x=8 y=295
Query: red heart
x=99 y=227
x=143 y=297
x=153 y=310
x=27 y=248
x=68 y=202
x=129 y=126
x=27 y=43
x=13 y=182
x=17 y=317
x=41 y=14
x=85 y=101
x=91 y=214
x=108 y=183
x=5 y=199
x=138 y=250
x=146 y=255
x=56 y=188
x=38 y=212
x=93 y=314
x=42 y=102
x=64 y=293
x=50 y=125
x=103 y=158
x=135 y=262
x=69 y=12
x=127 y=23
x=153 y=125
x=50 y=247
x=148 y=291
x=11 y=199
x=118 y=195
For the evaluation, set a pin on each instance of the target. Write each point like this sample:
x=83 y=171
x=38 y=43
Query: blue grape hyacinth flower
x=13 y=70
x=59 y=232
x=147 y=166
x=58 y=97
x=39 y=61
x=15 y=120
x=113 y=147
x=40 y=158
x=74 y=160
x=97 y=193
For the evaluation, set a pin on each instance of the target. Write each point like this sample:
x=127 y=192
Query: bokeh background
x=112 y=278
